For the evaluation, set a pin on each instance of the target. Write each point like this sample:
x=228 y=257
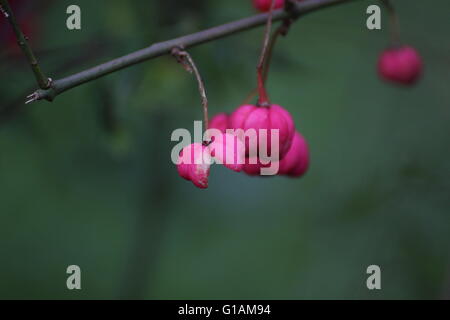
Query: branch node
x=49 y=83
x=181 y=55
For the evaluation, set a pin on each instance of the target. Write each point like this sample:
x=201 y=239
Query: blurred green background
x=88 y=180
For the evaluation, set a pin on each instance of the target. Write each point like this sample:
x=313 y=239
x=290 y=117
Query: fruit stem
x=281 y=30
x=394 y=24
x=263 y=99
x=188 y=63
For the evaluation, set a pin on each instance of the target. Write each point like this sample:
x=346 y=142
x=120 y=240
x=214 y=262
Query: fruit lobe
x=194 y=164
x=296 y=161
x=265 y=118
x=228 y=150
x=219 y=122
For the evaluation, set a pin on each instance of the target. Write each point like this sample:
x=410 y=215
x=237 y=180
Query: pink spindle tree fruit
x=401 y=65
x=264 y=5
x=194 y=164
x=219 y=122
x=253 y=166
x=294 y=164
x=228 y=150
x=269 y=118
x=296 y=161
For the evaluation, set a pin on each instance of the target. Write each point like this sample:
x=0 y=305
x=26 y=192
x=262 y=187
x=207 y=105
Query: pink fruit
x=193 y=164
x=229 y=150
x=267 y=118
x=296 y=161
x=219 y=122
x=294 y=164
x=401 y=65
x=264 y=5
x=253 y=166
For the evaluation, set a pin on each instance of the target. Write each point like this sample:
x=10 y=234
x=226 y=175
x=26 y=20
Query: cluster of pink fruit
x=292 y=147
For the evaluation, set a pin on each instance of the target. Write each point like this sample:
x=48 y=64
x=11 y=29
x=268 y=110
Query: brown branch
x=43 y=81
x=158 y=49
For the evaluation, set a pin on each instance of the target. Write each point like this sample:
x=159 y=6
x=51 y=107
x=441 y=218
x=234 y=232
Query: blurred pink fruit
x=400 y=65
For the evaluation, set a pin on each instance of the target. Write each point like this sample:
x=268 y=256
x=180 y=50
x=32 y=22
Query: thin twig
x=186 y=60
x=165 y=47
x=43 y=81
x=394 y=23
x=281 y=30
